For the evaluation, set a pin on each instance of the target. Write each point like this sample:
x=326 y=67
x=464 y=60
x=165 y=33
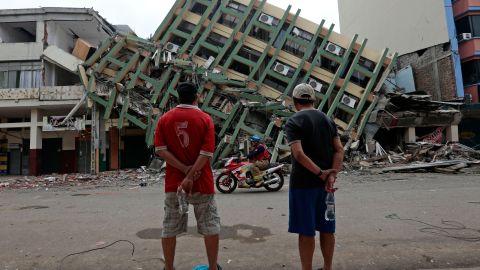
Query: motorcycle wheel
x=226 y=183
x=277 y=186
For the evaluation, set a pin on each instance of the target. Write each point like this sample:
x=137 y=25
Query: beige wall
x=401 y=25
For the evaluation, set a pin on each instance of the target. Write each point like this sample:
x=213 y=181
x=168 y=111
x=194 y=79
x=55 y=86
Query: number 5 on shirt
x=182 y=133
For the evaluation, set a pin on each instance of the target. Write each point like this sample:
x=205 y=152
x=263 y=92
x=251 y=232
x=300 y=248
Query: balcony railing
x=21 y=51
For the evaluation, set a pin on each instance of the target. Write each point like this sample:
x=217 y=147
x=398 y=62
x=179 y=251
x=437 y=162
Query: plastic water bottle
x=182 y=202
x=330 y=202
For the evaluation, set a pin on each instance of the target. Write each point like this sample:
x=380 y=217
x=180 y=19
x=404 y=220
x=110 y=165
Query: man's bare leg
x=168 y=245
x=211 y=245
x=327 y=245
x=306 y=246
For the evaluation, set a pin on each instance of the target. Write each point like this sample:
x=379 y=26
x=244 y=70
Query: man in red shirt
x=185 y=139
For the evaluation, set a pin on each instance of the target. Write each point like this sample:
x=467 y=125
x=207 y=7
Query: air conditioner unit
x=334 y=48
x=465 y=36
x=171 y=47
x=233 y=5
x=266 y=19
x=366 y=63
x=315 y=85
x=281 y=68
x=209 y=62
x=296 y=31
x=349 y=101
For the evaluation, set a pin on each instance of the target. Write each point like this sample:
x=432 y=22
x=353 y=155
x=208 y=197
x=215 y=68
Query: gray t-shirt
x=315 y=131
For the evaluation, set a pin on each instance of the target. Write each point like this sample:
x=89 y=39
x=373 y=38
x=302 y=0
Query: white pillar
x=410 y=136
x=35 y=130
x=40 y=32
x=452 y=133
x=35 y=153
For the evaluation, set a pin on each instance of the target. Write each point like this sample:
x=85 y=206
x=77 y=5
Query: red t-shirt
x=186 y=132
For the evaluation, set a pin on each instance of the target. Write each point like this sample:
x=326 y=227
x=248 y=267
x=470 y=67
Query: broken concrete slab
x=435 y=164
x=57 y=56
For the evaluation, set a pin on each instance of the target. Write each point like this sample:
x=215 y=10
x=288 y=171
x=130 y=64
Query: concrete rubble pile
x=246 y=57
x=422 y=156
x=429 y=152
x=130 y=177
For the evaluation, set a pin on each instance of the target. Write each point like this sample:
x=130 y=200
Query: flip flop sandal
x=205 y=267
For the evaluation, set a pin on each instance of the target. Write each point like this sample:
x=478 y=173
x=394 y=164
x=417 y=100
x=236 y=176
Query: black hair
x=187 y=99
x=187 y=93
x=302 y=101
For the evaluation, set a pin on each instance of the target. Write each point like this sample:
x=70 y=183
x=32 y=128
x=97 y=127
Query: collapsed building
x=246 y=57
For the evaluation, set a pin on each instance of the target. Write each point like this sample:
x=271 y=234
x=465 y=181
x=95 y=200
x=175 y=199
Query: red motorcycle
x=238 y=173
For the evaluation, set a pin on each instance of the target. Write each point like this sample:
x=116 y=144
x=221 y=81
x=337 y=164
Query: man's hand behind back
x=326 y=173
x=330 y=183
x=187 y=186
x=187 y=183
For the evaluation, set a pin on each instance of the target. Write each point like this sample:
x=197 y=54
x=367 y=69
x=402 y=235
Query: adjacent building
x=39 y=86
x=467 y=23
x=439 y=47
x=402 y=25
x=409 y=26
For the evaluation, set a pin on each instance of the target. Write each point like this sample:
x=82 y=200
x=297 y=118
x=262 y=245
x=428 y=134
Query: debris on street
x=133 y=177
x=411 y=132
x=441 y=158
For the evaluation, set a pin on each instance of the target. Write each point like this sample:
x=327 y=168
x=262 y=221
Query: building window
x=179 y=41
x=198 y=8
x=318 y=43
x=18 y=32
x=366 y=63
x=3 y=79
x=475 y=24
x=294 y=48
x=206 y=53
x=275 y=83
x=186 y=27
x=328 y=64
x=359 y=79
x=247 y=21
x=241 y=68
x=260 y=34
x=20 y=79
x=463 y=25
x=228 y=20
x=471 y=72
x=216 y=39
x=249 y=54
x=237 y=6
x=469 y=24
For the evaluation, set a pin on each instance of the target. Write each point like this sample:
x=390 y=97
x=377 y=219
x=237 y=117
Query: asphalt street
x=387 y=221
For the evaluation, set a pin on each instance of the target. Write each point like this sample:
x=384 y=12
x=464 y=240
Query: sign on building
x=57 y=123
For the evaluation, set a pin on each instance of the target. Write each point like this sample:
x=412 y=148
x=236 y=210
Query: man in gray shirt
x=317 y=157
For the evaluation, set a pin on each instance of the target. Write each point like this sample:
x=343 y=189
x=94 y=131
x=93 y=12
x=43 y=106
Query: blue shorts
x=307 y=212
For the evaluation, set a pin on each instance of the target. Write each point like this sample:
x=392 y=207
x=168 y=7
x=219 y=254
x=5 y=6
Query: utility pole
x=94 y=141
